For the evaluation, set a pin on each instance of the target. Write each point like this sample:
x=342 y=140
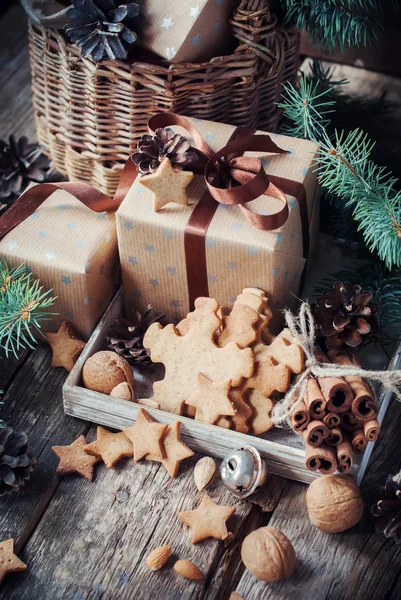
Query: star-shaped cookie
x=74 y=459
x=167 y=185
x=175 y=449
x=146 y=435
x=65 y=345
x=211 y=399
x=208 y=520
x=9 y=563
x=110 y=447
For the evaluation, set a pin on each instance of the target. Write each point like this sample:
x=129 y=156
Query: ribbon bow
x=232 y=178
x=303 y=329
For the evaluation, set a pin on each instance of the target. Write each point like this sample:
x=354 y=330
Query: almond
x=204 y=472
x=187 y=569
x=235 y=596
x=158 y=558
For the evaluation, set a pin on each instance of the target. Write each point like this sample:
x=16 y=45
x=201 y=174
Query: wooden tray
x=282 y=449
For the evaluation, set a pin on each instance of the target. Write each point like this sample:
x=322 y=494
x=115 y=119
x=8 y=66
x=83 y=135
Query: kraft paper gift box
x=73 y=251
x=187 y=31
x=152 y=248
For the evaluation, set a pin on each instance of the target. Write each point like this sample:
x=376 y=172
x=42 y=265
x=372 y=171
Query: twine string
x=303 y=329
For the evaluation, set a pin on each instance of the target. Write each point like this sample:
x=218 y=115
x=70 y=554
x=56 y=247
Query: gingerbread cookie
x=66 y=346
x=174 y=448
x=110 y=447
x=239 y=326
x=195 y=352
x=243 y=413
x=9 y=562
x=74 y=459
x=260 y=421
x=284 y=352
x=146 y=435
x=269 y=377
x=208 y=520
x=167 y=185
x=211 y=399
x=195 y=317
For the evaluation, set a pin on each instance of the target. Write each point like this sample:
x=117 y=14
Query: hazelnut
x=104 y=371
x=268 y=554
x=334 y=503
x=123 y=391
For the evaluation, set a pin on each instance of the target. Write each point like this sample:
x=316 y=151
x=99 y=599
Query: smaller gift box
x=186 y=31
x=70 y=248
x=171 y=257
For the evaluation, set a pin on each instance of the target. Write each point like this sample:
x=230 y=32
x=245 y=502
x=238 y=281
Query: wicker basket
x=90 y=116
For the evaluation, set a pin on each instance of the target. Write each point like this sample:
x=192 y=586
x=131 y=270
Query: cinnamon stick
x=314 y=399
x=349 y=422
x=321 y=459
x=335 y=437
x=371 y=430
x=345 y=456
x=359 y=441
x=337 y=393
x=364 y=405
x=332 y=420
x=300 y=418
x=315 y=433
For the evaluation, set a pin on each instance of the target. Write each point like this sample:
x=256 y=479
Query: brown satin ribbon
x=31 y=200
x=231 y=179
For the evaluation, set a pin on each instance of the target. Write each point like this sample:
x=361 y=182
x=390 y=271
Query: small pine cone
x=16 y=460
x=388 y=509
x=20 y=163
x=102 y=28
x=126 y=338
x=153 y=149
x=345 y=315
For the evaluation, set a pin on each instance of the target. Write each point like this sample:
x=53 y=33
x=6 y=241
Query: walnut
x=104 y=370
x=268 y=554
x=334 y=503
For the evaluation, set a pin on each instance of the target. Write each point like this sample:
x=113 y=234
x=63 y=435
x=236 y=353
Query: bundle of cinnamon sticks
x=337 y=418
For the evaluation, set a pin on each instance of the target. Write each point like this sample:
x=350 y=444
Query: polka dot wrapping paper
x=238 y=255
x=187 y=30
x=73 y=251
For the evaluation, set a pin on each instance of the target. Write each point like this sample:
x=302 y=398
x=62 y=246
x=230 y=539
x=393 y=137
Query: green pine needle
x=346 y=170
x=335 y=23
x=23 y=307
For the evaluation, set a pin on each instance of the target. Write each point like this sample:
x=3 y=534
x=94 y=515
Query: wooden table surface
x=85 y=540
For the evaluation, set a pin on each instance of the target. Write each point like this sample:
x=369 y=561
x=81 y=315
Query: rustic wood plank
x=33 y=403
x=96 y=536
x=15 y=82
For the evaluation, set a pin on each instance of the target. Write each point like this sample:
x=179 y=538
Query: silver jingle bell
x=243 y=471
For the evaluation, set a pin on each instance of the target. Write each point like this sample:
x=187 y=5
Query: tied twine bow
x=303 y=329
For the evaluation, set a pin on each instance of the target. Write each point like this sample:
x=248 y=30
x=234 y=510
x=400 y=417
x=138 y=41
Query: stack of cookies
x=225 y=369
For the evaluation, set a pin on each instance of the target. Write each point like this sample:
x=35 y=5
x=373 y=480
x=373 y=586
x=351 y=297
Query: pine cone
x=388 y=509
x=152 y=149
x=344 y=315
x=126 y=338
x=101 y=27
x=20 y=163
x=16 y=460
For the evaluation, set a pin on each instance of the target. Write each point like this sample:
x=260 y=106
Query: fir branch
x=345 y=168
x=333 y=23
x=23 y=307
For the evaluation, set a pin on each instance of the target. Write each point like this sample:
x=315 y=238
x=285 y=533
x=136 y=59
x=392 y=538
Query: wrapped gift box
x=152 y=246
x=187 y=31
x=73 y=251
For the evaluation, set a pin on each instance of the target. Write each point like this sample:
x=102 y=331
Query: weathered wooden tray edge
x=282 y=459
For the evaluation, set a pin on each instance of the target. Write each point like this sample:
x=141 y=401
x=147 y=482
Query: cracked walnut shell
x=268 y=554
x=103 y=371
x=334 y=503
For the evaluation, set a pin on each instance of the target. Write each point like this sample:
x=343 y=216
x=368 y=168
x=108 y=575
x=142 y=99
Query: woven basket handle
x=48 y=13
